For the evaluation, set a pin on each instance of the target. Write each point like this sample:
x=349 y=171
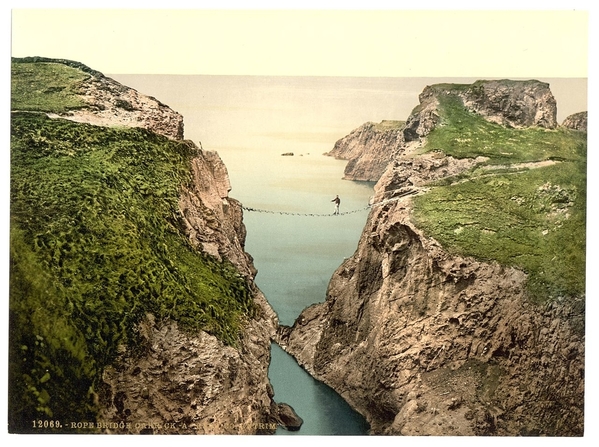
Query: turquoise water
x=296 y=257
x=321 y=408
x=250 y=122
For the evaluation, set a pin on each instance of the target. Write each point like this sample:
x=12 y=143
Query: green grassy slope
x=531 y=218
x=95 y=246
x=45 y=86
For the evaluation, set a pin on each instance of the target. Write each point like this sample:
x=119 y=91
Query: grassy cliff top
x=464 y=134
x=525 y=207
x=95 y=246
x=46 y=85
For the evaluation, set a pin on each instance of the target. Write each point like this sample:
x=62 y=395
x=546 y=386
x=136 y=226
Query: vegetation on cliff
x=45 y=86
x=518 y=208
x=96 y=244
x=443 y=339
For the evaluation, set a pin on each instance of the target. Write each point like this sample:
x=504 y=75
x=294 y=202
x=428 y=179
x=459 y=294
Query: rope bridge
x=285 y=213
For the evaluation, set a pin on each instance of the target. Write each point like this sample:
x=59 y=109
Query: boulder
x=288 y=418
x=576 y=121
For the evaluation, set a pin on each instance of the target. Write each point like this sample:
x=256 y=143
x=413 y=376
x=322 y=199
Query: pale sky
x=483 y=43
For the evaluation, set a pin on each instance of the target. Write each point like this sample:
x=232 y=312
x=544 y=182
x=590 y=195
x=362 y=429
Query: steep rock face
x=368 y=149
x=509 y=103
x=214 y=221
x=576 y=121
x=422 y=342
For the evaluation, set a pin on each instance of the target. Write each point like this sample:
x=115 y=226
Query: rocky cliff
x=171 y=379
x=194 y=383
x=425 y=342
x=369 y=149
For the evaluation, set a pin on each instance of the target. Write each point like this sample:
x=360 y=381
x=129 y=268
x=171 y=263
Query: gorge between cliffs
x=433 y=325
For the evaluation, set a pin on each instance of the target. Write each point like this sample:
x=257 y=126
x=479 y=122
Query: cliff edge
x=133 y=306
x=369 y=149
x=442 y=322
x=516 y=104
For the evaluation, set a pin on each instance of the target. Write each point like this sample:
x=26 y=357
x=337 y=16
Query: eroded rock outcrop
x=576 y=121
x=179 y=383
x=422 y=342
x=369 y=149
x=419 y=170
x=212 y=219
x=110 y=103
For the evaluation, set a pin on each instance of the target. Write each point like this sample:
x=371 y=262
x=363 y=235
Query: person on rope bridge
x=337 y=202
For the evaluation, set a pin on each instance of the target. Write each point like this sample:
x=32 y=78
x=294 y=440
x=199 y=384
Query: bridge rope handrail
x=288 y=213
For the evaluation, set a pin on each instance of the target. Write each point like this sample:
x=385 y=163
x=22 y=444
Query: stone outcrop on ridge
x=371 y=147
x=576 y=121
